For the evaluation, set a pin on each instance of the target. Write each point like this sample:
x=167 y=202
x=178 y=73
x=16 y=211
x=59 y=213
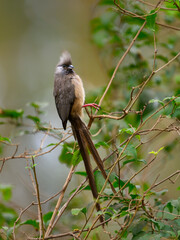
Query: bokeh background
x=33 y=35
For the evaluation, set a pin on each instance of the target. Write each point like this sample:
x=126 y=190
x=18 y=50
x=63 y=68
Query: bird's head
x=65 y=64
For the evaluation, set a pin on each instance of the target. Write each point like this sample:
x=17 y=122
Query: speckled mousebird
x=69 y=98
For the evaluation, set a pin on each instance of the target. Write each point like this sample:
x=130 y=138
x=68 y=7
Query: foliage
x=138 y=108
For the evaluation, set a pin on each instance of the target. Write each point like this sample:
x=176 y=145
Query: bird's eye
x=64 y=65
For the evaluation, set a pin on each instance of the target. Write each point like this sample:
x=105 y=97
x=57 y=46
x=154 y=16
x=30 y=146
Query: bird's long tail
x=78 y=130
x=78 y=123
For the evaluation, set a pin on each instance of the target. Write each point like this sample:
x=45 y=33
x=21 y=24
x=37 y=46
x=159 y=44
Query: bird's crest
x=65 y=58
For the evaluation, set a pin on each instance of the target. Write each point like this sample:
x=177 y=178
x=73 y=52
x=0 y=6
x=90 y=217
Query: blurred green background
x=33 y=35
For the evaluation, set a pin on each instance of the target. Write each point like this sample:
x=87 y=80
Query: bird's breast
x=79 y=96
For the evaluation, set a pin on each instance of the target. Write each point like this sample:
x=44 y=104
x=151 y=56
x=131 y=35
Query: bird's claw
x=94 y=105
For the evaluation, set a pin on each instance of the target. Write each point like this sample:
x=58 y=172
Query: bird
x=69 y=97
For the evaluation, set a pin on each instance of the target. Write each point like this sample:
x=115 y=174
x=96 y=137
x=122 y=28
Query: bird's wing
x=64 y=93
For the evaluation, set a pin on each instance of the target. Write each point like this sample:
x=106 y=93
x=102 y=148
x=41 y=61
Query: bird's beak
x=70 y=67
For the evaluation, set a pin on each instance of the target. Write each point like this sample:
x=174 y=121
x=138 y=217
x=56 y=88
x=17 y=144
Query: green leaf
x=6 y=191
x=76 y=158
x=151 y=20
x=127 y=130
x=67 y=153
x=138 y=137
x=176 y=204
x=156 y=101
x=103 y=144
x=99 y=180
x=81 y=173
x=168 y=98
x=134 y=161
x=131 y=187
x=31 y=167
x=124 y=213
x=76 y=211
x=4 y=139
x=51 y=144
x=34 y=119
x=131 y=151
x=170 y=4
x=38 y=105
x=87 y=188
x=47 y=218
x=156 y=153
x=163 y=58
x=31 y=222
x=84 y=210
x=170 y=207
x=9 y=113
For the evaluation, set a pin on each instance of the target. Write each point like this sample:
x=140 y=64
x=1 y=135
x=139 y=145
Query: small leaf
x=81 y=173
x=123 y=213
x=38 y=105
x=51 y=144
x=4 y=139
x=87 y=188
x=76 y=211
x=170 y=207
x=34 y=119
x=131 y=151
x=84 y=210
x=99 y=180
x=31 y=167
x=131 y=187
x=127 y=130
x=27 y=167
x=134 y=161
x=138 y=137
x=67 y=154
x=156 y=153
x=163 y=58
x=151 y=20
x=76 y=158
x=47 y=217
x=31 y=222
x=11 y=113
x=103 y=144
x=168 y=98
x=156 y=101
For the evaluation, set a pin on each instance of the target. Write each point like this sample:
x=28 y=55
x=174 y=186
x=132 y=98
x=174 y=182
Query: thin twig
x=41 y=226
x=115 y=71
x=68 y=179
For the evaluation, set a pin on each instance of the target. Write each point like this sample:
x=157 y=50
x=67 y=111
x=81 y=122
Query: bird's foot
x=94 y=105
